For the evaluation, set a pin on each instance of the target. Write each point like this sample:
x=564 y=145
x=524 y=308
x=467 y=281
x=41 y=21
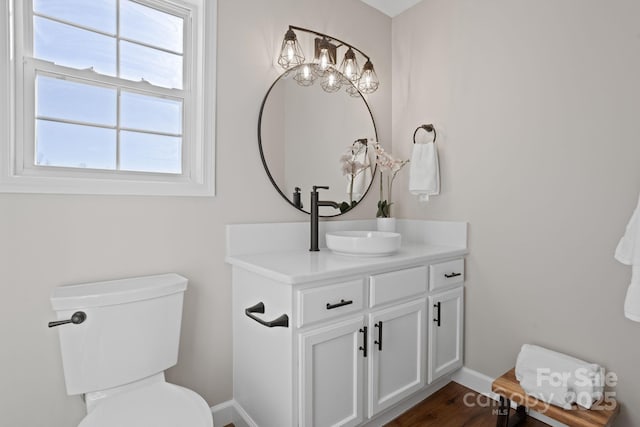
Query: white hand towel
x=632 y=300
x=558 y=395
x=628 y=252
x=424 y=171
x=360 y=182
x=584 y=380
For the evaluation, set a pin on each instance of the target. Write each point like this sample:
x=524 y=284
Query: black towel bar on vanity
x=282 y=321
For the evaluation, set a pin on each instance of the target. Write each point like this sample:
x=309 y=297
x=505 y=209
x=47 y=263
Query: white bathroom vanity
x=321 y=339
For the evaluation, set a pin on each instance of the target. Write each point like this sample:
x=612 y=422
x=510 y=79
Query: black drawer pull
x=340 y=304
x=437 y=307
x=282 y=321
x=450 y=275
x=365 y=340
x=379 y=340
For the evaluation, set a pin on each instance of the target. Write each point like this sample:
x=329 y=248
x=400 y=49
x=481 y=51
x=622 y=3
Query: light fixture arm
x=328 y=37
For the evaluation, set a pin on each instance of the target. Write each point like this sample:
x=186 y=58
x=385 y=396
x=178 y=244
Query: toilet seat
x=156 y=405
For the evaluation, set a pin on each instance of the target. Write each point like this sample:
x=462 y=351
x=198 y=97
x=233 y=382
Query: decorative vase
x=386 y=224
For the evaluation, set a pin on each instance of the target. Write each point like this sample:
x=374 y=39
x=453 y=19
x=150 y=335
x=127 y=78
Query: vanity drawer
x=326 y=302
x=395 y=285
x=445 y=274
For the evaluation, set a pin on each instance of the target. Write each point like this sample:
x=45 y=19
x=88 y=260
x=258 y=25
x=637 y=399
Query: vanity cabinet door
x=397 y=362
x=331 y=375
x=445 y=332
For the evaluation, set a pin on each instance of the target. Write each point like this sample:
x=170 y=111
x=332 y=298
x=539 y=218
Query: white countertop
x=301 y=266
x=280 y=251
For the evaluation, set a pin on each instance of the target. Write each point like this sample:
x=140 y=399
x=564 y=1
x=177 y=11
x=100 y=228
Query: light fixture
x=349 y=67
x=325 y=57
x=332 y=81
x=290 y=55
x=368 y=82
x=348 y=75
x=304 y=75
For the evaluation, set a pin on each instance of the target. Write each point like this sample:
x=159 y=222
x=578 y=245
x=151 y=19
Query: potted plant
x=389 y=167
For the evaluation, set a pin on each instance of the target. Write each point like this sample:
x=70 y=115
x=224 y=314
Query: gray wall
x=536 y=105
x=49 y=240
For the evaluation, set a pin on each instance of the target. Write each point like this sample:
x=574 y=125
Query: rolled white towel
x=588 y=392
x=558 y=395
x=584 y=380
x=532 y=358
x=588 y=387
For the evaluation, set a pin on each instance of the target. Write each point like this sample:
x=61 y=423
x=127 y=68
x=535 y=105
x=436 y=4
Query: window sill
x=92 y=186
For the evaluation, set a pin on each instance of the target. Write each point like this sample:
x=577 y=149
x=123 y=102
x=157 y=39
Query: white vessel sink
x=363 y=243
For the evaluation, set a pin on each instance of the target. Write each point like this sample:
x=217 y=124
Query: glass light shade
x=324 y=59
x=368 y=82
x=332 y=81
x=349 y=67
x=352 y=88
x=304 y=75
x=291 y=54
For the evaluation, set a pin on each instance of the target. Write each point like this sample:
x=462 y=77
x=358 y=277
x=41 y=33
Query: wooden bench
x=508 y=387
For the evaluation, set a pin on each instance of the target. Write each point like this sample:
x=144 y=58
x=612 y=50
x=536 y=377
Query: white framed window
x=108 y=96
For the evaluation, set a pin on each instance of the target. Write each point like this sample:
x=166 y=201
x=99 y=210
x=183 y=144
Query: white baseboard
x=223 y=413
x=231 y=412
x=481 y=383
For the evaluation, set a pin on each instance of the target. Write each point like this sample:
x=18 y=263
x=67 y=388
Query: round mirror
x=308 y=136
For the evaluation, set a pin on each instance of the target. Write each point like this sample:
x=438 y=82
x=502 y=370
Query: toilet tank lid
x=112 y=292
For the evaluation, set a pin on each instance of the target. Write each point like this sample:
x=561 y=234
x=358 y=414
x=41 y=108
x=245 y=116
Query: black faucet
x=315 y=204
x=296 y=198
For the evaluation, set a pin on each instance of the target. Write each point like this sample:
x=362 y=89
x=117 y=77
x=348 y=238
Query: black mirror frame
x=266 y=167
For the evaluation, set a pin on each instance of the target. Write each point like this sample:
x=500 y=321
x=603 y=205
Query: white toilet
x=123 y=335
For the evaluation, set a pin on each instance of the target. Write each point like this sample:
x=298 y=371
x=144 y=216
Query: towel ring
x=429 y=128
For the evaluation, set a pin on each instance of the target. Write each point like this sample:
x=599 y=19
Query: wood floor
x=447 y=408
x=454 y=406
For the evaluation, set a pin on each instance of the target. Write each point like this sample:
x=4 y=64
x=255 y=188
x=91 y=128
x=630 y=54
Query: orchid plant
x=389 y=167
x=352 y=166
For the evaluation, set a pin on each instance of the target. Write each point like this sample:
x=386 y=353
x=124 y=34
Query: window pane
x=69 y=100
x=61 y=144
x=150 y=153
x=73 y=47
x=151 y=26
x=157 y=67
x=98 y=14
x=150 y=113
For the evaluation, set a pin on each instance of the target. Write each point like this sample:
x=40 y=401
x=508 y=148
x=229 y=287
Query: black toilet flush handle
x=77 y=318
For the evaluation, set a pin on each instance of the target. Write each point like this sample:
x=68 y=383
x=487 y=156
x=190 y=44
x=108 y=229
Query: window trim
x=198 y=156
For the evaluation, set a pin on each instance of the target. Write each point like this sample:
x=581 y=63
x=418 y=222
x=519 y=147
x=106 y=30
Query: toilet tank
x=132 y=330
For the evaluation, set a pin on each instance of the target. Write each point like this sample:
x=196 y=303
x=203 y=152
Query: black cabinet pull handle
x=282 y=321
x=379 y=340
x=77 y=318
x=437 y=307
x=450 y=275
x=364 y=340
x=340 y=304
